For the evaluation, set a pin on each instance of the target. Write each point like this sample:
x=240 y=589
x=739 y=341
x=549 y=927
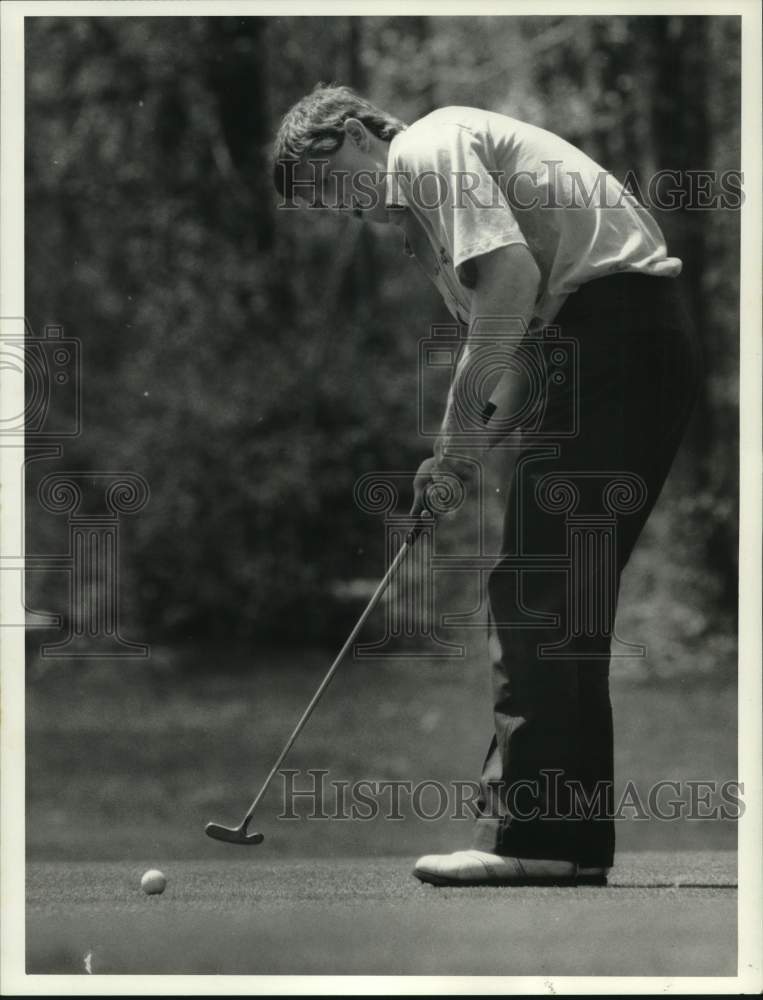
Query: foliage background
x=251 y=363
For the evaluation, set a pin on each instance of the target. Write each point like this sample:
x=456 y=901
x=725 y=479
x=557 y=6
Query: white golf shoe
x=481 y=868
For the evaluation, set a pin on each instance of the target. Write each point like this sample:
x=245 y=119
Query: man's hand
x=434 y=486
x=422 y=482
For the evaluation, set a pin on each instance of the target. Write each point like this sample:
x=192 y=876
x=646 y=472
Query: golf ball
x=153 y=882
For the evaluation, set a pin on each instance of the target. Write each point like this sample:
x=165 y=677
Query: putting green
x=663 y=915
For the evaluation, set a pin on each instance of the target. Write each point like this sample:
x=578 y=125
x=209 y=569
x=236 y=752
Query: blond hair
x=315 y=125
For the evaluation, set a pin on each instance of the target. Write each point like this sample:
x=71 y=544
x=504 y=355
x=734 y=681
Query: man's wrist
x=460 y=465
x=441 y=445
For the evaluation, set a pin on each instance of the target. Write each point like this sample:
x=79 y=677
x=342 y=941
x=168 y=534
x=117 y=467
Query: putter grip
x=412 y=536
x=487 y=412
x=418 y=527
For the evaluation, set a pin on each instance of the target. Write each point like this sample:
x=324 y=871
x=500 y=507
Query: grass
x=131 y=760
x=370 y=917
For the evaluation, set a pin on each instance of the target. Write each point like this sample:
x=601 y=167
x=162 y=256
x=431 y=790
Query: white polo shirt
x=475 y=180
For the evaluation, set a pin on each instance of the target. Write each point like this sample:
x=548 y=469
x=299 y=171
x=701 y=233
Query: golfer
x=522 y=232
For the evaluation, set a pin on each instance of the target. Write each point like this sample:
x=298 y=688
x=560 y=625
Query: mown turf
x=666 y=915
x=129 y=759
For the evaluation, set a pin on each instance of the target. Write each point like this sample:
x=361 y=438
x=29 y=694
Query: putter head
x=237 y=835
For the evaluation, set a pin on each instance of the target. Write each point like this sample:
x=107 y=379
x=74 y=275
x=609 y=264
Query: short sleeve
x=444 y=176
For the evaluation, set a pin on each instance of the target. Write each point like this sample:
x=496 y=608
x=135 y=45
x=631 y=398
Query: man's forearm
x=503 y=306
x=501 y=390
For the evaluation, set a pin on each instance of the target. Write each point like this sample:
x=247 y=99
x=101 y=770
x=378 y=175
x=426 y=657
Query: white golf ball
x=153 y=882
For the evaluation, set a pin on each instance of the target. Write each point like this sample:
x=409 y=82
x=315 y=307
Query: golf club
x=240 y=834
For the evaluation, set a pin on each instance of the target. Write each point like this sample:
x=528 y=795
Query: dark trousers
x=576 y=507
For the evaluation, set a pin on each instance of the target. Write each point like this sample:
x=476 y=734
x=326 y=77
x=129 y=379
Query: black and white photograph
x=380 y=446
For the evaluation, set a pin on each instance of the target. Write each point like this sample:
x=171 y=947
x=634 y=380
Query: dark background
x=252 y=363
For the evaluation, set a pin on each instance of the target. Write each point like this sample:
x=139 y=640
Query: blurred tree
x=253 y=362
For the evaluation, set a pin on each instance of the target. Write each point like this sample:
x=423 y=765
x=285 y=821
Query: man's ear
x=356 y=132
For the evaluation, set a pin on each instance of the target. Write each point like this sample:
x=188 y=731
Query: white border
x=13 y=979
x=750 y=913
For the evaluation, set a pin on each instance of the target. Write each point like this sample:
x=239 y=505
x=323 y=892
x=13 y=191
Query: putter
x=240 y=834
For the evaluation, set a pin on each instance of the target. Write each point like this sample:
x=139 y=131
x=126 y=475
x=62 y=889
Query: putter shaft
x=401 y=554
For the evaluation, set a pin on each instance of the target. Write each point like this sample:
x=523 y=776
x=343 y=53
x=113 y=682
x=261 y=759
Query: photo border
x=13 y=978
